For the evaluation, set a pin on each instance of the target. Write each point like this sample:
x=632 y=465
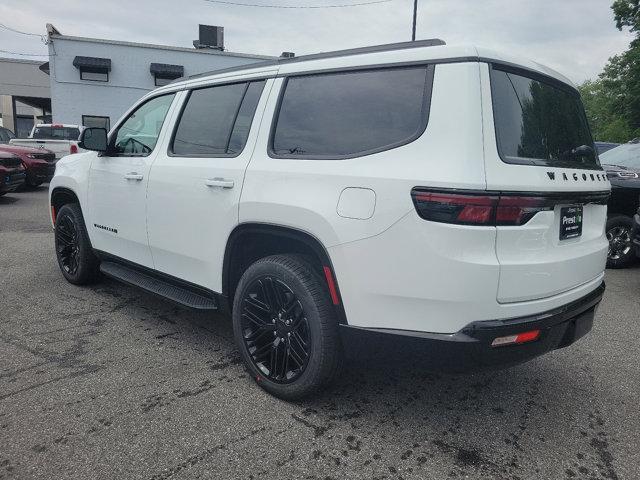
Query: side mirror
x=93 y=139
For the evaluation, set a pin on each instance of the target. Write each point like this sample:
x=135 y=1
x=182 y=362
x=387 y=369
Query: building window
x=164 y=73
x=94 y=76
x=161 y=81
x=95 y=121
x=94 y=69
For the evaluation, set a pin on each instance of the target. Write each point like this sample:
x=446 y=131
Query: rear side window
x=347 y=114
x=540 y=122
x=216 y=120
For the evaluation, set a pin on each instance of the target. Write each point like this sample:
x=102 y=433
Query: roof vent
x=210 y=37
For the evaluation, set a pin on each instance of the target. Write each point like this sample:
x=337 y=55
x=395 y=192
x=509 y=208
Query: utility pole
x=415 y=14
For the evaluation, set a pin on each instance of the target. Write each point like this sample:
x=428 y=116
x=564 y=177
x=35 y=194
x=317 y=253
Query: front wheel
x=621 y=252
x=76 y=259
x=285 y=327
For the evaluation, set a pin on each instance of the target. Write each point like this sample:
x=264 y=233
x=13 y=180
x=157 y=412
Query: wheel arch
x=249 y=242
x=61 y=196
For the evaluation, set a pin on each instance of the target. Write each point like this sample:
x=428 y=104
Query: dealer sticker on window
x=570 y=222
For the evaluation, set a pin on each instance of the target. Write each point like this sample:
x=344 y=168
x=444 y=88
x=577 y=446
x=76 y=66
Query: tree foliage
x=612 y=101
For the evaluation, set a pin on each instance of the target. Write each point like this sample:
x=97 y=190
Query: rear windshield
x=627 y=155
x=540 y=122
x=56 y=133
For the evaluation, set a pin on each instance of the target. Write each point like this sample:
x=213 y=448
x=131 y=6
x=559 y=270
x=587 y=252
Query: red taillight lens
x=73 y=148
x=518 y=210
x=477 y=208
x=455 y=208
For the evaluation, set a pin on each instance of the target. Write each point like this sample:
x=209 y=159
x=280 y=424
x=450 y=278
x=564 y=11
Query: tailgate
x=538 y=147
x=556 y=251
x=58 y=147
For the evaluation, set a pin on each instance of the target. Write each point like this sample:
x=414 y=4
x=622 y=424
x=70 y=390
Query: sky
x=575 y=37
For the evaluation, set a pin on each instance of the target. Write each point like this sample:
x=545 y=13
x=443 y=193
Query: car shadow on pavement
x=8 y=199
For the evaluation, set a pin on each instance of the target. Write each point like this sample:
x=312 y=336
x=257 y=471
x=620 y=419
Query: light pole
x=415 y=13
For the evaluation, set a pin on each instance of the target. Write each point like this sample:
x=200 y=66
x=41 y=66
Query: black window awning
x=164 y=70
x=93 y=64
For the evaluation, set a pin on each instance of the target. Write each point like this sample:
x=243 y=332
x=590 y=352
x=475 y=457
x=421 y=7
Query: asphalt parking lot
x=108 y=382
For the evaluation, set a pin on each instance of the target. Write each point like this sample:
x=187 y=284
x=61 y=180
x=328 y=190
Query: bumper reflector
x=517 y=339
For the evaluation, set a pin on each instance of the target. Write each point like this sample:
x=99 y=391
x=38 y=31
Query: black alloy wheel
x=76 y=259
x=275 y=329
x=286 y=327
x=620 y=252
x=67 y=247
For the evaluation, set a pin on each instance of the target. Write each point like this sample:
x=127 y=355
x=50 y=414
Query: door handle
x=219 y=182
x=133 y=176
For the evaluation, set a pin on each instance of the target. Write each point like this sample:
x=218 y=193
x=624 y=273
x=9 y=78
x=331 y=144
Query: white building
x=93 y=81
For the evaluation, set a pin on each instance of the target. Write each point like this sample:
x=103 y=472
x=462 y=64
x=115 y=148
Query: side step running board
x=176 y=293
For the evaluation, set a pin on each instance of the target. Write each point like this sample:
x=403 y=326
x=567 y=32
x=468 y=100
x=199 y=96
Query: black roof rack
x=431 y=42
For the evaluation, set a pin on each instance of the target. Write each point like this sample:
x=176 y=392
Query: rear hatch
x=541 y=160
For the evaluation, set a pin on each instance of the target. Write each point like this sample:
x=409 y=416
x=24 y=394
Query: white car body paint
x=394 y=269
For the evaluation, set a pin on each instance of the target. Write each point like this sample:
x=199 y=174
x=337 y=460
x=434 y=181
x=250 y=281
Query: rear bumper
x=470 y=348
x=635 y=236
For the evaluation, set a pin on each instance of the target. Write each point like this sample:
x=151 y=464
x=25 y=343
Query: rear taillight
x=477 y=208
x=73 y=148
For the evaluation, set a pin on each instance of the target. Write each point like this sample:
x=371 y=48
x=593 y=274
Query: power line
x=25 y=54
x=6 y=27
x=344 y=5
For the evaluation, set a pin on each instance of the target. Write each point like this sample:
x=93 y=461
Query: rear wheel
x=621 y=252
x=75 y=257
x=285 y=327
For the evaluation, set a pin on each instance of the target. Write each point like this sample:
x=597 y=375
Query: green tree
x=612 y=101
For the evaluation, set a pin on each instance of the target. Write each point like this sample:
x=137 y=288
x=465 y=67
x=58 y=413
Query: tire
x=272 y=345
x=621 y=253
x=31 y=184
x=76 y=259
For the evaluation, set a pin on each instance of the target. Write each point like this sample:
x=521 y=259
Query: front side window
x=138 y=134
x=216 y=120
x=540 y=122
x=342 y=115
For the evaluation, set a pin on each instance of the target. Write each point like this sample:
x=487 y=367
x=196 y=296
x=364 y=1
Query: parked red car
x=12 y=173
x=40 y=164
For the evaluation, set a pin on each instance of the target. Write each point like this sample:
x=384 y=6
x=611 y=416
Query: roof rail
x=430 y=42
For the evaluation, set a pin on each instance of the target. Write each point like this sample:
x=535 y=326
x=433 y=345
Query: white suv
x=447 y=193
